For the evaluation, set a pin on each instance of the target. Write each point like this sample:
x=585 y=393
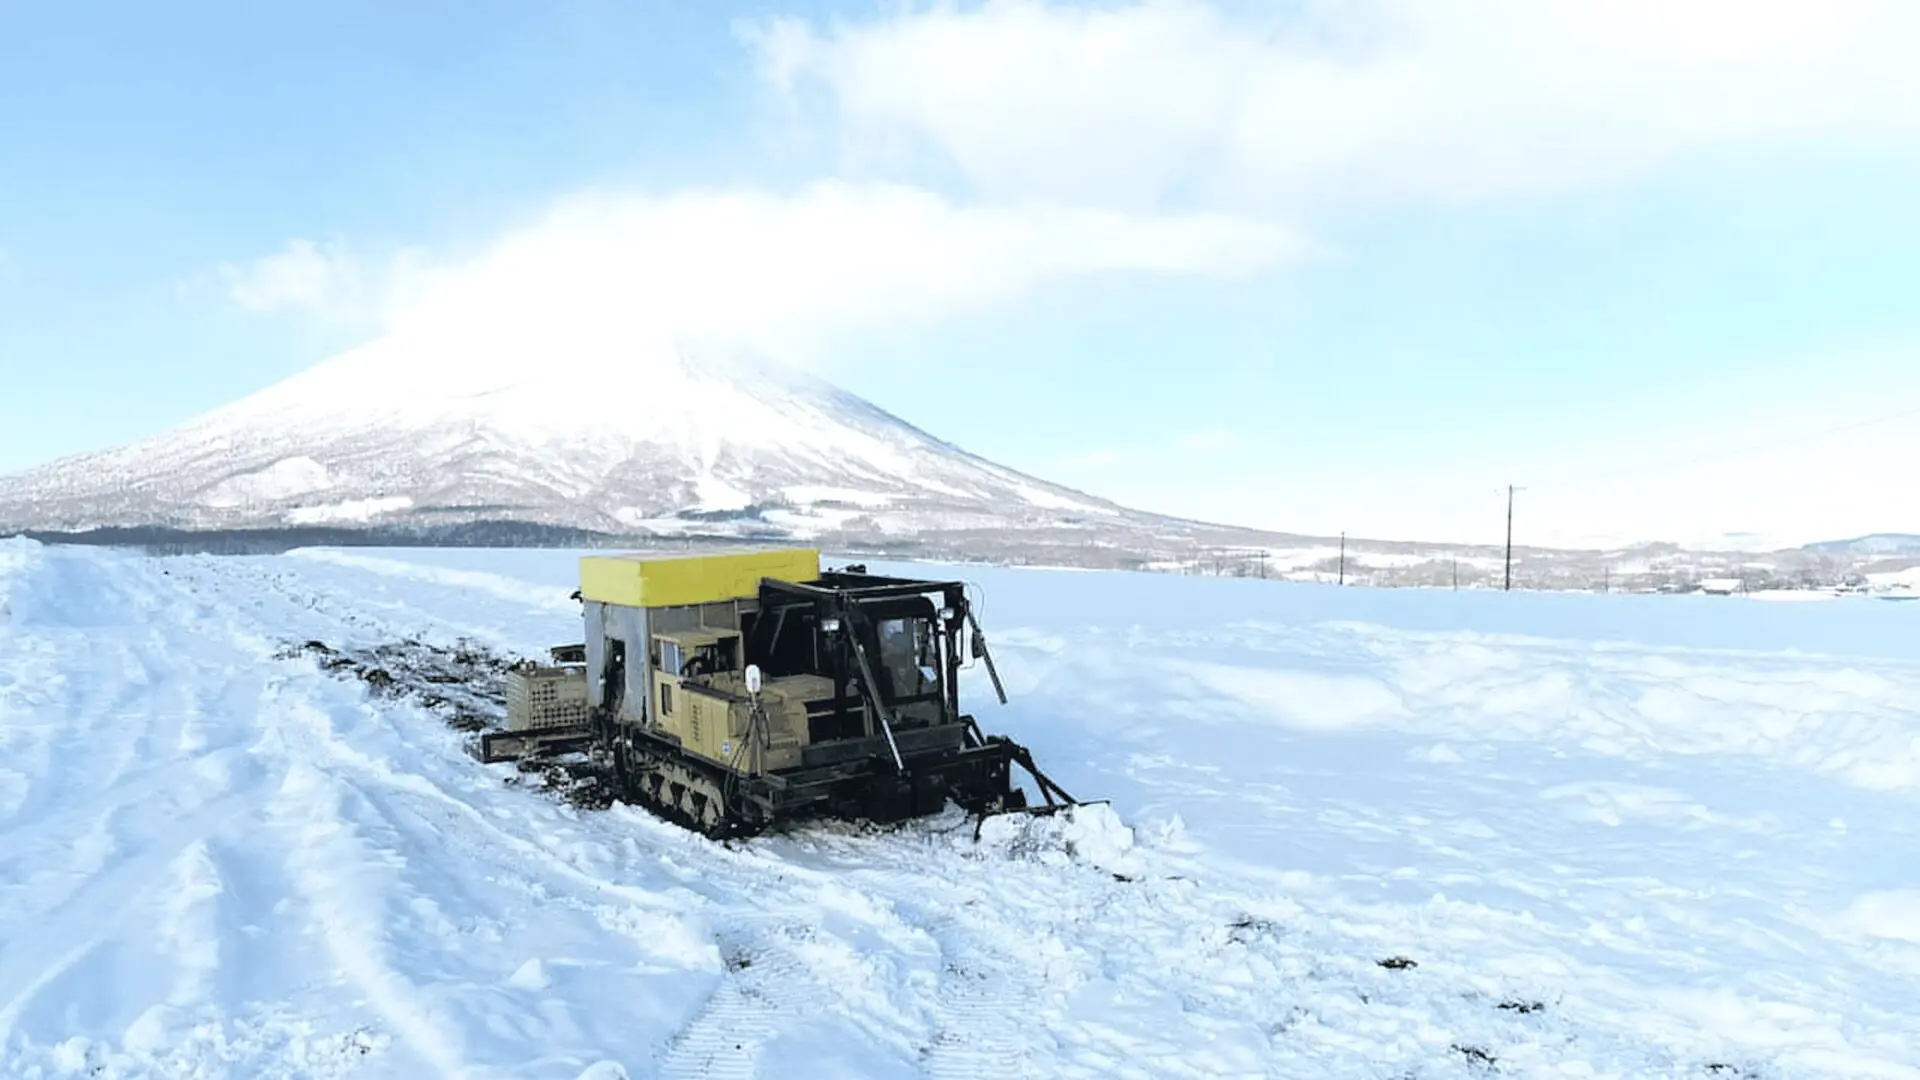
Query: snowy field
x=1616 y=836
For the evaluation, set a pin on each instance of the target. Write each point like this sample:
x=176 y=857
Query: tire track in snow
x=61 y=829
x=119 y=835
x=29 y=680
x=72 y=617
x=1023 y=929
x=135 y=696
x=996 y=996
x=977 y=1016
x=766 y=989
x=346 y=793
x=980 y=1005
x=320 y=838
x=366 y=614
x=487 y=852
x=64 y=934
x=173 y=670
x=754 y=1000
x=189 y=921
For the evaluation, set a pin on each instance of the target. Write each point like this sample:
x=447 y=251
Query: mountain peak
x=419 y=430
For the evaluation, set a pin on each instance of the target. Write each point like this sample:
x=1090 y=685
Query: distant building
x=1722 y=586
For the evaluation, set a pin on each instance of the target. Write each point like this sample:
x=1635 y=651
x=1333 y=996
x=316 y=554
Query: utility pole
x=1343 y=558
x=1456 y=575
x=1509 y=584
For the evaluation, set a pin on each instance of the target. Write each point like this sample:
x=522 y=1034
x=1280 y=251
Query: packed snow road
x=1614 y=836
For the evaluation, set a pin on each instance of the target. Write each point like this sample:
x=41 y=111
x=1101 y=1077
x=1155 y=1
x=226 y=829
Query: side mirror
x=753 y=678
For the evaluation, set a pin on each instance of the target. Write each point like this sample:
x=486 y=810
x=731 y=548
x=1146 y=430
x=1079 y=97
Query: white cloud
x=305 y=276
x=782 y=273
x=1134 y=103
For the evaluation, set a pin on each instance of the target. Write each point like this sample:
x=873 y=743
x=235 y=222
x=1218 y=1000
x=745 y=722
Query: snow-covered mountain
x=397 y=433
x=1880 y=544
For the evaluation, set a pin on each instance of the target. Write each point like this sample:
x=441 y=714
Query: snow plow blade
x=1055 y=796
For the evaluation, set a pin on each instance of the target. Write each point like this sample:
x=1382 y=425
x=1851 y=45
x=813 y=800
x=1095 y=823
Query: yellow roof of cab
x=698 y=576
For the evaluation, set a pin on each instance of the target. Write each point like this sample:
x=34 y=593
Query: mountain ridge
x=1872 y=544
x=393 y=435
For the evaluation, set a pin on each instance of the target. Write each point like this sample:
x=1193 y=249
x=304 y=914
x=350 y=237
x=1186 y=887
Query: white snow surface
x=284 y=479
x=1681 y=828
x=350 y=510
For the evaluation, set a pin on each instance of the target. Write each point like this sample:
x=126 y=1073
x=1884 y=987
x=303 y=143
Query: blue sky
x=1303 y=266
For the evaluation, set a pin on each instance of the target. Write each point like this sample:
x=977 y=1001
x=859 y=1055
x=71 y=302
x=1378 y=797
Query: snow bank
x=18 y=555
x=1093 y=835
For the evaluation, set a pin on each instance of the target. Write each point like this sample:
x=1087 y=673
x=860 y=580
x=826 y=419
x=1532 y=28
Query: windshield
x=909 y=663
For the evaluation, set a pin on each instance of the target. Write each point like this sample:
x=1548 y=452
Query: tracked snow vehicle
x=734 y=689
